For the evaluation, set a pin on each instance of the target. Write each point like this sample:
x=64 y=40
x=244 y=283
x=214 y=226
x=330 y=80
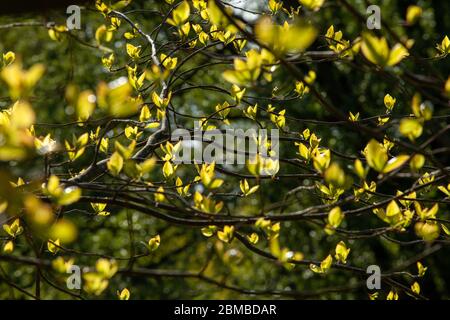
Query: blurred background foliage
x=350 y=87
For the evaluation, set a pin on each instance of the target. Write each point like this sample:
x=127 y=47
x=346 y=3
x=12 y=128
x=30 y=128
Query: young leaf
x=341 y=252
x=154 y=243
x=395 y=163
x=226 y=235
x=124 y=294
x=335 y=217
x=53 y=245
x=376 y=155
x=115 y=164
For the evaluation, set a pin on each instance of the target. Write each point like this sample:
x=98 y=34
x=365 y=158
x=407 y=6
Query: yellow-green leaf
x=124 y=294
x=341 y=252
x=335 y=217
x=411 y=128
